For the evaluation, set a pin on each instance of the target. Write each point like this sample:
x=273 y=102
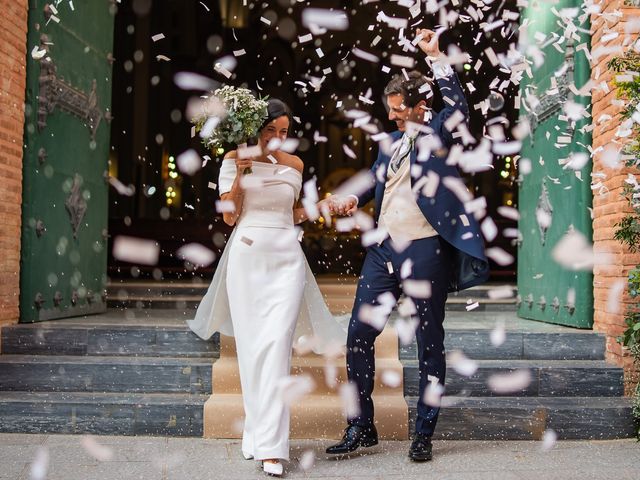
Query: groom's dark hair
x=409 y=88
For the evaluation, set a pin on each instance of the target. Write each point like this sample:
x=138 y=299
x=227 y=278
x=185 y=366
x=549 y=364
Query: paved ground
x=23 y=456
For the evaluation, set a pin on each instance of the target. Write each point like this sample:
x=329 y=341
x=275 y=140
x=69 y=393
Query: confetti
x=509 y=212
x=305 y=38
x=461 y=364
x=100 y=452
x=136 y=250
x=549 y=439
x=307 y=460
x=218 y=67
x=391 y=378
x=324 y=19
x=489 y=229
x=225 y=206
x=196 y=254
x=614 y=295
x=498 y=334
x=293 y=387
x=249 y=152
x=266 y=21
x=193 y=81
x=126 y=190
x=157 y=37
x=189 y=162
x=402 y=61
x=350 y=400
x=417 y=288
x=212 y=186
x=37 y=54
x=40 y=464
x=574 y=252
x=472 y=306
x=512 y=382
x=500 y=256
x=433 y=394
x=246 y=240
x=365 y=55
x=500 y=292
x=406 y=330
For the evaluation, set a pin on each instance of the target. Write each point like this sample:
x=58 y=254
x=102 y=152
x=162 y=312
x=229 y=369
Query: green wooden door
x=66 y=149
x=547 y=291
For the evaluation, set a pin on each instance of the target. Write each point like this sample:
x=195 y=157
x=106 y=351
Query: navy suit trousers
x=432 y=261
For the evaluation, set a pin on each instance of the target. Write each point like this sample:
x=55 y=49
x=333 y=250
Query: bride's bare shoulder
x=292 y=161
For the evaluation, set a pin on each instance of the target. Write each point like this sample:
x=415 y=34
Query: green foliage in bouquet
x=244 y=116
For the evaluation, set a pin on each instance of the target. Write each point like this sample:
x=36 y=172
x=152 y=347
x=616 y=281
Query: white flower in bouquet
x=241 y=117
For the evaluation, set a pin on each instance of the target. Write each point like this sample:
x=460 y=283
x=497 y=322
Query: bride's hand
x=243 y=164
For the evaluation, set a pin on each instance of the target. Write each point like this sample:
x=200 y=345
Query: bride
x=264 y=285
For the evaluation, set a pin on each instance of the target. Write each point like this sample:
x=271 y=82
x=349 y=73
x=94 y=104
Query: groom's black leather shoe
x=421 y=448
x=355 y=436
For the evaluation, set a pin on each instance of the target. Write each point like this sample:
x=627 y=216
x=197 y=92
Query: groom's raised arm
x=454 y=100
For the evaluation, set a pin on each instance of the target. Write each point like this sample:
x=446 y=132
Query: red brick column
x=13 y=52
x=609 y=206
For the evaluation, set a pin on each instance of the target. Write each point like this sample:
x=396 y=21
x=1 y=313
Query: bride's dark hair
x=276 y=108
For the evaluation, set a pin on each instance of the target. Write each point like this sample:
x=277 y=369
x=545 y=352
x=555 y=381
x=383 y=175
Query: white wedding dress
x=264 y=293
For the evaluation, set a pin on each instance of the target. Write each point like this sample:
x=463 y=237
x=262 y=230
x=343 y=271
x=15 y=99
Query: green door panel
x=547 y=291
x=66 y=149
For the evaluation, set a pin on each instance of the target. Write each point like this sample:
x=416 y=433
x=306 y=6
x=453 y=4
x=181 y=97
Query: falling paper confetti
x=197 y=254
x=350 y=400
x=100 y=452
x=512 y=382
x=461 y=364
x=136 y=250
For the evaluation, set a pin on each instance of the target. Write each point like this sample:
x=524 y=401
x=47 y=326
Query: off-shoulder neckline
x=268 y=164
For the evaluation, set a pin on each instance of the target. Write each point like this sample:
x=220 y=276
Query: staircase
x=105 y=374
x=139 y=372
x=338 y=292
x=573 y=391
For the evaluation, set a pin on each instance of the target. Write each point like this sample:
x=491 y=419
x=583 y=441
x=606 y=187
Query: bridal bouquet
x=230 y=115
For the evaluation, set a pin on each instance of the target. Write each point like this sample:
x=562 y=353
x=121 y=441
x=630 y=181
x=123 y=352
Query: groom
x=433 y=246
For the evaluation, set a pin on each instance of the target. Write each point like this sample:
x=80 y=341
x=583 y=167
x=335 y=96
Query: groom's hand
x=344 y=205
x=429 y=43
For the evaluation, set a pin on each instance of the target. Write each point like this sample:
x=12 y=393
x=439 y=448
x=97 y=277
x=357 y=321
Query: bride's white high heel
x=247 y=456
x=273 y=468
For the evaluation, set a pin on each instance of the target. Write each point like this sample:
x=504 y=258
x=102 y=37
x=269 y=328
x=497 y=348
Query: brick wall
x=609 y=206
x=13 y=51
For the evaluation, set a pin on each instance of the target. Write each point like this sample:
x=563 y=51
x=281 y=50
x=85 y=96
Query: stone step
x=312 y=417
x=57 y=339
x=338 y=293
x=527 y=418
x=569 y=378
x=337 y=305
x=61 y=373
x=567 y=345
x=330 y=286
x=102 y=413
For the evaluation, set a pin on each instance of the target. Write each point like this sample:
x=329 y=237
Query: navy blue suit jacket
x=443 y=211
